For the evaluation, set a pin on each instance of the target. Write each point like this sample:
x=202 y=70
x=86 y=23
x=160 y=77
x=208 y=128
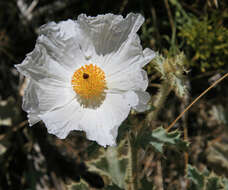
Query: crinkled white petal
x=102 y=124
x=51 y=95
x=62 y=43
x=57 y=52
x=33 y=119
x=107 y=32
x=39 y=65
x=64 y=30
x=112 y=41
x=124 y=68
x=132 y=98
x=130 y=56
x=130 y=80
x=143 y=98
x=30 y=103
x=63 y=120
x=148 y=55
x=43 y=96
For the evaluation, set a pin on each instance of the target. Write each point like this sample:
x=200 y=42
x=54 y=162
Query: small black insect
x=85 y=76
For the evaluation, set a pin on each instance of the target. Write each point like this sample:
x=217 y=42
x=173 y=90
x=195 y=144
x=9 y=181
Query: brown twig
x=155 y=85
x=204 y=92
x=159 y=178
x=170 y=15
x=20 y=125
x=154 y=17
x=185 y=127
x=218 y=139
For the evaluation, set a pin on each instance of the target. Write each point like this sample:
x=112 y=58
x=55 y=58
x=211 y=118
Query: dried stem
x=170 y=15
x=158 y=177
x=185 y=127
x=154 y=17
x=133 y=165
x=209 y=88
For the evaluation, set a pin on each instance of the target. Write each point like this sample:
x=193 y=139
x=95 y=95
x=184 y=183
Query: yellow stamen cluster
x=89 y=84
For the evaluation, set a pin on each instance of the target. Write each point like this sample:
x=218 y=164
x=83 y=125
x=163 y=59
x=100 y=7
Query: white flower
x=86 y=74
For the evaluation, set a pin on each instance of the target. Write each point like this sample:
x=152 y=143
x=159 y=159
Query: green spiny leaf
x=113 y=164
x=213 y=183
x=159 y=137
x=196 y=177
x=225 y=183
x=206 y=180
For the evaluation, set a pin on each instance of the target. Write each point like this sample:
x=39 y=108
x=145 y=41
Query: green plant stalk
x=159 y=102
x=133 y=167
x=133 y=159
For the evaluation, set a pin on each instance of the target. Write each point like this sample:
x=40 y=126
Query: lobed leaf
x=206 y=180
x=114 y=164
x=160 y=137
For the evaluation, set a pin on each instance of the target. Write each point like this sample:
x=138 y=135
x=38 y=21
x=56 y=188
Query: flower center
x=89 y=84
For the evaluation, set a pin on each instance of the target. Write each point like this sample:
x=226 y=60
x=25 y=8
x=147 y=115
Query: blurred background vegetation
x=32 y=159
